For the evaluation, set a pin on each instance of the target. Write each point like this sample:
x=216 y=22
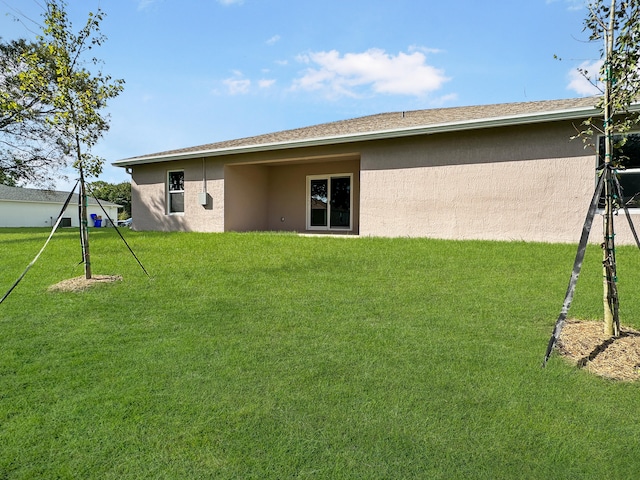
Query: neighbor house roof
x=17 y=194
x=388 y=125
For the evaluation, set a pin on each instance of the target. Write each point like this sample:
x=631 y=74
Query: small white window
x=329 y=201
x=175 y=192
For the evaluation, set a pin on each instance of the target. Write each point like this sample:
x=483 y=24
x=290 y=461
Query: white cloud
x=571 y=4
x=346 y=75
x=266 y=83
x=427 y=50
x=580 y=84
x=145 y=4
x=445 y=99
x=237 y=85
x=273 y=40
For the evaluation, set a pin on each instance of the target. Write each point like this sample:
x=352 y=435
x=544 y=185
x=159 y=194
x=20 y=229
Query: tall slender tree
x=615 y=23
x=77 y=94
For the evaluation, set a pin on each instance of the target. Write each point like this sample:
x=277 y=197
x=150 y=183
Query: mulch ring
x=80 y=284
x=585 y=345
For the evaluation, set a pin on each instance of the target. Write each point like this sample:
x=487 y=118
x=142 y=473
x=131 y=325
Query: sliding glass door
x=329 y=200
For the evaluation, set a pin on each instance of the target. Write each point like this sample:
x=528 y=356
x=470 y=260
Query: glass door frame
x=328 y=178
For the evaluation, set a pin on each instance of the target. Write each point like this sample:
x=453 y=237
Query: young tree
x=77 y=94
x=616 y=23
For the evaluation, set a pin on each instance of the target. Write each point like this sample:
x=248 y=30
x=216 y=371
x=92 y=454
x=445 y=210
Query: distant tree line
x=117 y=193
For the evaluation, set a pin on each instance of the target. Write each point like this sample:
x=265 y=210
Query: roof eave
x=538 y=117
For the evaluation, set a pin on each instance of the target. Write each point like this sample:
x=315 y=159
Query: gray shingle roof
x=18 y=194
x=384 y=122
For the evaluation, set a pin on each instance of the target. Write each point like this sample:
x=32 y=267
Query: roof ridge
x=386 y=121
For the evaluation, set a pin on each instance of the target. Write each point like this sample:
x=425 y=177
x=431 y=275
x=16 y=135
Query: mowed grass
x=277 y=356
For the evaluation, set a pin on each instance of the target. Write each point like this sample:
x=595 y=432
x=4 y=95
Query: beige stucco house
x=500 y=172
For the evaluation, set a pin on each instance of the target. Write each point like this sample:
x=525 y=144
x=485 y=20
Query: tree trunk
x=84 y=228
x=609 y=298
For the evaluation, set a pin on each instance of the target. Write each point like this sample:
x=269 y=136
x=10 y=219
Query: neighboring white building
x=29 y=207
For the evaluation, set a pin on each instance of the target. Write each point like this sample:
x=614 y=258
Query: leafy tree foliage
x=76 y=94
x=30 y=150
x=7 y=180
x=616 y=25
x=52 y=99
x=117 y=193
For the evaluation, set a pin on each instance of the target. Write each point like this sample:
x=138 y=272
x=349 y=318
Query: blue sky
x=200 y=71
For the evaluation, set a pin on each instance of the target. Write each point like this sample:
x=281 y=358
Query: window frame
x=328 y=227
x=170 y=191
x=621 y=172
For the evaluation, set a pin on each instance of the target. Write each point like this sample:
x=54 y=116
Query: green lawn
x=277 y=356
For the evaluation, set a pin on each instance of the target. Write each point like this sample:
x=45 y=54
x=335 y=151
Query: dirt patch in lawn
x=585 y=345
x=79 y=284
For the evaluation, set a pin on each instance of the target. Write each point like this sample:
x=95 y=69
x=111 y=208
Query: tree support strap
x=577 y=264
x=53 y=230
x=115 y=225
x=616 y=182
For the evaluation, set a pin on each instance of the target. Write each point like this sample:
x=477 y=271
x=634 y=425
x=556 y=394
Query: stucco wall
x=507 y=201
x=149 y=197
x=35 y=214
x=519 y=183
x=246 y=197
